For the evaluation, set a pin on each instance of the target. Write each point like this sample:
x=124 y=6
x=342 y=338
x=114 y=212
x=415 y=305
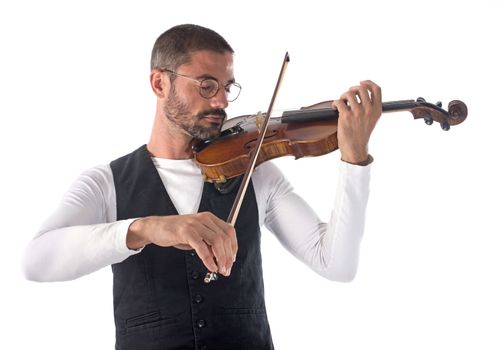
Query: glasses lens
x=208 y=88
x=232 y=91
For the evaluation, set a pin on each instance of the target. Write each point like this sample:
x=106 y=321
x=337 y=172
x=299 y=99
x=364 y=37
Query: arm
x=82 y=234
x=329 y=248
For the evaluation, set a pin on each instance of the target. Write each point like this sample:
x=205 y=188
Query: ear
x=160 y=83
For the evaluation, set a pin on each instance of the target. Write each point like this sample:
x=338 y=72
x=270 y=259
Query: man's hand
x=359 y=110
x=213 y=239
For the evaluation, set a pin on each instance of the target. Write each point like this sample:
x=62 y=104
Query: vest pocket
x=242 y=329
x=147 y=321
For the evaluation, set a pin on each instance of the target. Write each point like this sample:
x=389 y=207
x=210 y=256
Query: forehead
x=209 y=62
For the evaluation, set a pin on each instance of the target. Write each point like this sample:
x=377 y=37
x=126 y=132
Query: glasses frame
x=201 y=81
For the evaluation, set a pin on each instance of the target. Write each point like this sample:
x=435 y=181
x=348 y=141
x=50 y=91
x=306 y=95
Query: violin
x=250 y=140
x=308 y=132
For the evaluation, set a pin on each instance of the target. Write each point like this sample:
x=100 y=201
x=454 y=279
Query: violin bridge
x=259 y=121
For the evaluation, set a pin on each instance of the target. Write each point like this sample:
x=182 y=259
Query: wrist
x=353 y=154
x=366 y=161
x=136 y=237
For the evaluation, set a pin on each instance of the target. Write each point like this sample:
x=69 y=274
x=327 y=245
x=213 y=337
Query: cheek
x=174 y=102
x=184 y=106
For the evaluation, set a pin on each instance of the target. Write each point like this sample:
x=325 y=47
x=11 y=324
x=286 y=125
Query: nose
x=220 y=99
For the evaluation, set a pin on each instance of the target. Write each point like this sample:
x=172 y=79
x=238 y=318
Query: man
x=150 y=216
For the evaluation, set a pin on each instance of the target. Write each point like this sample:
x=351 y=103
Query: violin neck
x=398 y=106
x=327 y=114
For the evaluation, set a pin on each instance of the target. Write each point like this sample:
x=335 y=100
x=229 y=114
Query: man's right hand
x=214 y=240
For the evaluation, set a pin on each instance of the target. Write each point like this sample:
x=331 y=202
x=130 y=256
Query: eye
x=209 y=86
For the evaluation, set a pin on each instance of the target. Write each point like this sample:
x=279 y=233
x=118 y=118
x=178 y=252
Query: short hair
x=174 y=47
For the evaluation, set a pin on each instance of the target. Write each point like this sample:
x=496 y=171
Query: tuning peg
x=421 y=99
x=428 y=119
x=439 y=104
x=445 y=126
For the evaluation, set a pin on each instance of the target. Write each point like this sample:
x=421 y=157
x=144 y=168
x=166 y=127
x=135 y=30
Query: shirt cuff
x=120 y=229
x=368 y=161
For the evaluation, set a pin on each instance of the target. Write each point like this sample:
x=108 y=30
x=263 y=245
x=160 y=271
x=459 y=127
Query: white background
x=74 y=93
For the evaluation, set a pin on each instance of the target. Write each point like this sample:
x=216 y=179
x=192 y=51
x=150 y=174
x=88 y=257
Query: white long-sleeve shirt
x=83 y=236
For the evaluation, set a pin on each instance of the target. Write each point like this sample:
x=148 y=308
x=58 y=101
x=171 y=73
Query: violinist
x=152 y=218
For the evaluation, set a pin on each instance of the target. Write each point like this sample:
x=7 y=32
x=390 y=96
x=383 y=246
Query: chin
x=205 y=134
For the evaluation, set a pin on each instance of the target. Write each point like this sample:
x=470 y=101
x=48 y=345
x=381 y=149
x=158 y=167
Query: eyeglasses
x=208 y=87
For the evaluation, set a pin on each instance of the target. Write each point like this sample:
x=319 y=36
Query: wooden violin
x=249 y=140
x=307 y=132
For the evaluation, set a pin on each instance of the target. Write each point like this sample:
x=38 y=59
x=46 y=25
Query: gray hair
x=174 y=47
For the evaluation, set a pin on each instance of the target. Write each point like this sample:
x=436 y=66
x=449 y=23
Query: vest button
x=201 y=324
x=195 y=275
x=198 y=298
x=192 y=253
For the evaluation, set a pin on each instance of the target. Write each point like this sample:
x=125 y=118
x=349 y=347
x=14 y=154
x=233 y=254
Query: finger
x=217 y=246
x=375 y=90
x=231 y=249
x=204 y=253
x=376 y=98
x=224 y=250
x=232 y=243
x=352 y=99
x=235 y=245
x=363 y=94
x=222 y=239
x=340 y=105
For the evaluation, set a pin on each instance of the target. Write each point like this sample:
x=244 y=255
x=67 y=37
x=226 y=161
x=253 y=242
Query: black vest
x=160 y=298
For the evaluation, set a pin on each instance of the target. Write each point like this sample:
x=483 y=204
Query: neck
x=168 y=141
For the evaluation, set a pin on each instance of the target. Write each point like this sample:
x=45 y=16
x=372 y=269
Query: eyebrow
x=209 y=76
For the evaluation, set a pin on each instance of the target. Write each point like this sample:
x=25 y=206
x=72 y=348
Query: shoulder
x=268 y=180
x=97 y=180
x=99 y=174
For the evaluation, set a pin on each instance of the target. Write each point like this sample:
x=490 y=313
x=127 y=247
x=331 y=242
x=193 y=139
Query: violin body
x=219 y=162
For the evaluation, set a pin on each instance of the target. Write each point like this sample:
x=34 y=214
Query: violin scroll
x=456 y=114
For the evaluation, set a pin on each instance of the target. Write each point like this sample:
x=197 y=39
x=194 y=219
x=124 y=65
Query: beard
x=179 y=113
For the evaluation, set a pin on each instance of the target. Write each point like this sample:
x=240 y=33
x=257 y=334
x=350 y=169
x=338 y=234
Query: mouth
x=214 y=118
